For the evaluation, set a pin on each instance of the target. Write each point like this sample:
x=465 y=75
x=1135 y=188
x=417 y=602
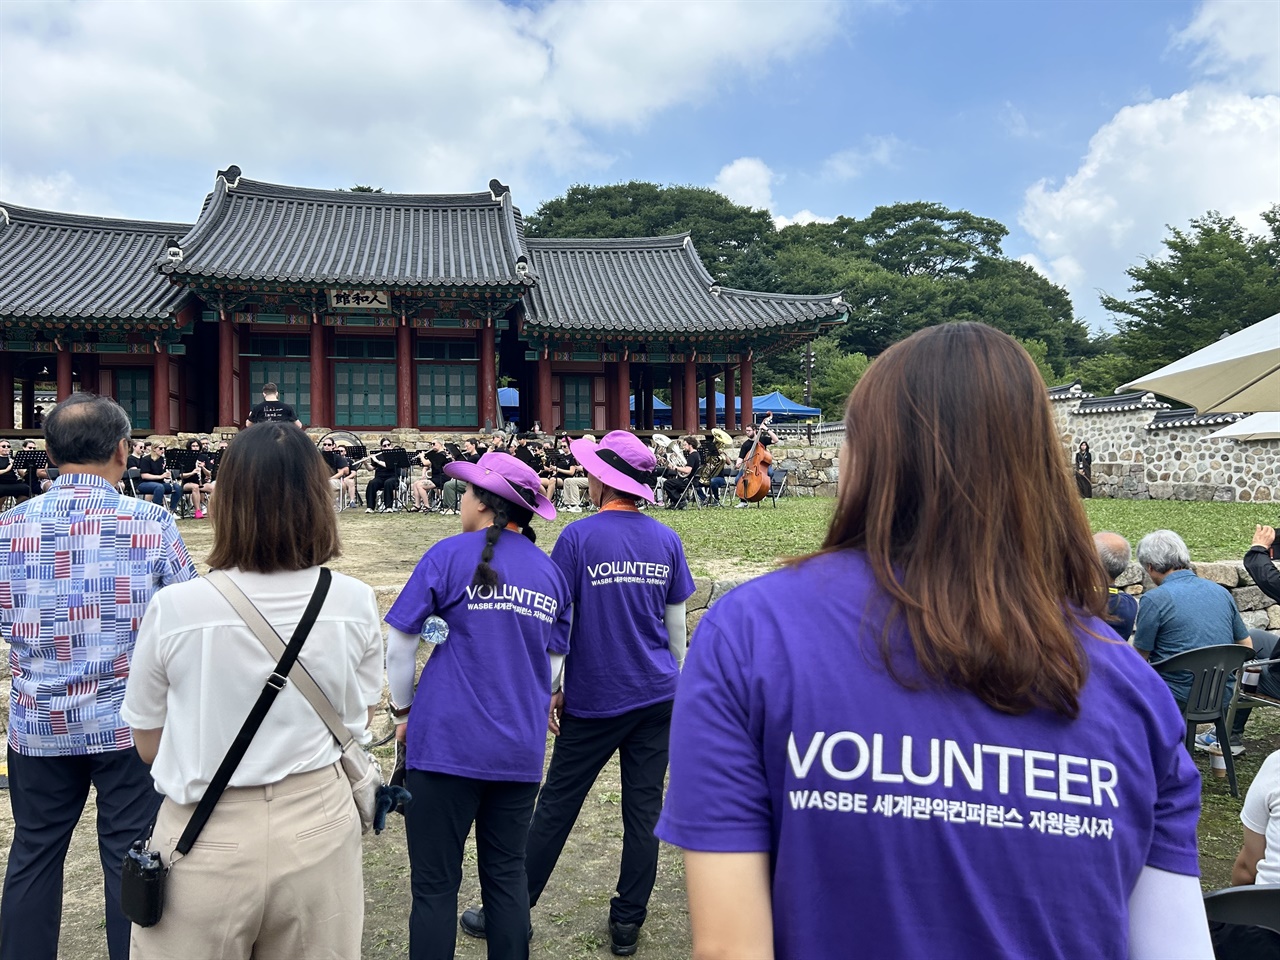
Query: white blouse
x=197 y=671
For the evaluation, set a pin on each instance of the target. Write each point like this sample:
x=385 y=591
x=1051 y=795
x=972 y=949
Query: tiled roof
x=264 y=232
x=1187 y=417
x=1069 y=391
x=1121 y=402
x=65 y=265
x=653 y=286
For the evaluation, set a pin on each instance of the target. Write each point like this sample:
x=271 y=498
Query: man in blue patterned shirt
x=77 y=568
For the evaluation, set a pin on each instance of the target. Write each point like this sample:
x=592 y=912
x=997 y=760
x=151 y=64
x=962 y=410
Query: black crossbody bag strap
x=275 y=683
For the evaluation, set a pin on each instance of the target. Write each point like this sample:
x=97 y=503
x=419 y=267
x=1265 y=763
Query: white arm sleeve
x=557 y=671
x=1166 y=918
x=402 y=665
x=677 y=631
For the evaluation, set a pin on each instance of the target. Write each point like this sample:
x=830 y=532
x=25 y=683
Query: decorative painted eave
x=254 y=232
x=1176 y=417
x=656 y=288
x=57 y=268
x=1121 y=403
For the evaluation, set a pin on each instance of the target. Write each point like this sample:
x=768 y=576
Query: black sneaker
x=472 y=923
x=623 y=937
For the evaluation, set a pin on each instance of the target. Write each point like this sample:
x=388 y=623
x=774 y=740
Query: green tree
x=722 y=230
x=362 y=188
x=1216 y=278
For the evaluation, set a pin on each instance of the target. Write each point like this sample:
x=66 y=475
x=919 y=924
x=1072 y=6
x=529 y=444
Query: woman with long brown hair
x=276 y=870
x=920 y=741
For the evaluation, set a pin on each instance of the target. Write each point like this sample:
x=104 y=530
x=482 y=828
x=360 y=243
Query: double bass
x=753 y=485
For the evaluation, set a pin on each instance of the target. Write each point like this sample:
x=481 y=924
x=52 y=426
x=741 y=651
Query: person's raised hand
x=1264 y=536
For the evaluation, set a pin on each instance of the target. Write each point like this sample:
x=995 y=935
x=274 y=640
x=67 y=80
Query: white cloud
x=1238 y=41
x=747 y=181
x=1160 y=163
x=54 y=191
x=800 y=219
x=856 y=161
x=434 y=96
x=1016 y=123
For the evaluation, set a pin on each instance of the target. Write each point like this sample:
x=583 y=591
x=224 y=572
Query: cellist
x=766 y=438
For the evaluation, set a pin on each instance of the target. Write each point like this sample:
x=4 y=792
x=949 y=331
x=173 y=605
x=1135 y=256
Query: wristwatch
x=399 y=713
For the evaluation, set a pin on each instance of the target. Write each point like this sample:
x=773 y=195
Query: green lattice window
x=133 y=392
x=575 y=402
x=447 y=395
x=364 y=394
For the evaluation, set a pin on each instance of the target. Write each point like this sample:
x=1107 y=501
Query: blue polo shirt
x=1184 y=613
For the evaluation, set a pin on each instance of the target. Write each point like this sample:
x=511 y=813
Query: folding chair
x=130 y=478
x=777 y=485
x=1210 y=669
x=1257 y=905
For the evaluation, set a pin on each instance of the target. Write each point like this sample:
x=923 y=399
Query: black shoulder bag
x=143 y=875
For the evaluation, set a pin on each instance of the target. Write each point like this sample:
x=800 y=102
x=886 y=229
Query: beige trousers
x=275 y=875
x=573 y=487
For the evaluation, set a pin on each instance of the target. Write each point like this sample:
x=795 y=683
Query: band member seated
x=767 y=439
x=674 y=486
x=272 y=408
x=10 y=483
x=194 y=480
x=385 y=479
x=522 y=450
x=157 y=479
x=561 y=465
x=349 y=478
x=339 y=468
x=574 y=485
x=453 y=489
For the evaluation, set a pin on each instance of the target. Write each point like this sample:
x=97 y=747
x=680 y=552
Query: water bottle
x=434 y=630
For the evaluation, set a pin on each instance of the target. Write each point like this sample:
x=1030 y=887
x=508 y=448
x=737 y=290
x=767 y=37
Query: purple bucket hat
x=506 y=476
x=620 y=460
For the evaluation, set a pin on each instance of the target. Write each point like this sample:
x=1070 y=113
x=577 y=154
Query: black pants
x=1266 y=646
x=581 y=751
x=437 y=822
x=388 y=487
x=48 y=795
x=1236 y=942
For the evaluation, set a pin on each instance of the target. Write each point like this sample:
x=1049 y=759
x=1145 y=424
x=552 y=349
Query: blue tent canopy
x=774 y=403
x=657 y=404
x=508 y=397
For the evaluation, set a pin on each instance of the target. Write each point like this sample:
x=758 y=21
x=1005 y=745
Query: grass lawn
x=722 y=544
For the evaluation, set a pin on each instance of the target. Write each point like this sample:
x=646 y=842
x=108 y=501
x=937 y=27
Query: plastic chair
x=1257 y=905
x=1210 y=669
x=1243 y=697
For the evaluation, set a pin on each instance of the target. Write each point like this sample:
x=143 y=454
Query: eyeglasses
x=326 y=444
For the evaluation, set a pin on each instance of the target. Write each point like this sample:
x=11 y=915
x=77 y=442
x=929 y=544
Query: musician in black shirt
x=339 y=466
x=157 y=479
x=272 y=408
x=10 y=484
x=451 y=493
x=385 y=479
x=674 y=487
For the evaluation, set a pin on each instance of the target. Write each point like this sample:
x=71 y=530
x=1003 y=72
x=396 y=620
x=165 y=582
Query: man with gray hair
x=1183 y=612
x=1122 y=608
x=77 y=569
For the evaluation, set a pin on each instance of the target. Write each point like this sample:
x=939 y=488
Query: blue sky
x=1084 y=127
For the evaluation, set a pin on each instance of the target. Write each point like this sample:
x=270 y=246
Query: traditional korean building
x=376 y=311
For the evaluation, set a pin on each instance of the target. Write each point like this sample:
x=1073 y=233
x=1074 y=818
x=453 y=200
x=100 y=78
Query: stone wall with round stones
x=1133 y=462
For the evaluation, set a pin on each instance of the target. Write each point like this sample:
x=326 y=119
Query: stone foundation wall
x=1131 y=462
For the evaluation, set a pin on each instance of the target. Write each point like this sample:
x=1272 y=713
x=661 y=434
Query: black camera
x=142 y=881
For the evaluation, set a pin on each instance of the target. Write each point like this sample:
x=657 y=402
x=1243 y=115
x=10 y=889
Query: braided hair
x=504 y=512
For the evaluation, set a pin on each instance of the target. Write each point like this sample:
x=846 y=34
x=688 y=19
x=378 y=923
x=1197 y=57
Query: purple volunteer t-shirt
x=923 y=822
x=482 y=702
x=623 y=569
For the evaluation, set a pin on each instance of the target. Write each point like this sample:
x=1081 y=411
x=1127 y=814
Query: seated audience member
x=1122 y=608
x=1183 y=612
x=1257 y=863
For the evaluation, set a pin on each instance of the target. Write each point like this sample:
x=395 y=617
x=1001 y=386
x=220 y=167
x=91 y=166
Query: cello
x=753 y=485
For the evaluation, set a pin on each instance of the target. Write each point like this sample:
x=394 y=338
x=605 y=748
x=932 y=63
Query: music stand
x=397 y=458
x=31 y=462
x=178 y=462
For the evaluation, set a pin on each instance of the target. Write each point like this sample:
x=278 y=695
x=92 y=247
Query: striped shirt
x=77 y=568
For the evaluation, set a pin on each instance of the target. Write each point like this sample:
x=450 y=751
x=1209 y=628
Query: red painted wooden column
x=160 y=392
x=730 y=398
x=544 y=396
x=6 y=391
x=405 y=387
x=488 y=379
x=677 y=398
x=745 y=368
x=623 y=402
x=711 y=398
x=319 y=387
x=64 y=373
x=226 y=370
x=690 y=396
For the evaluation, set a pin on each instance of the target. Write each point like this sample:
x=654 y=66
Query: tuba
x=713 y=457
